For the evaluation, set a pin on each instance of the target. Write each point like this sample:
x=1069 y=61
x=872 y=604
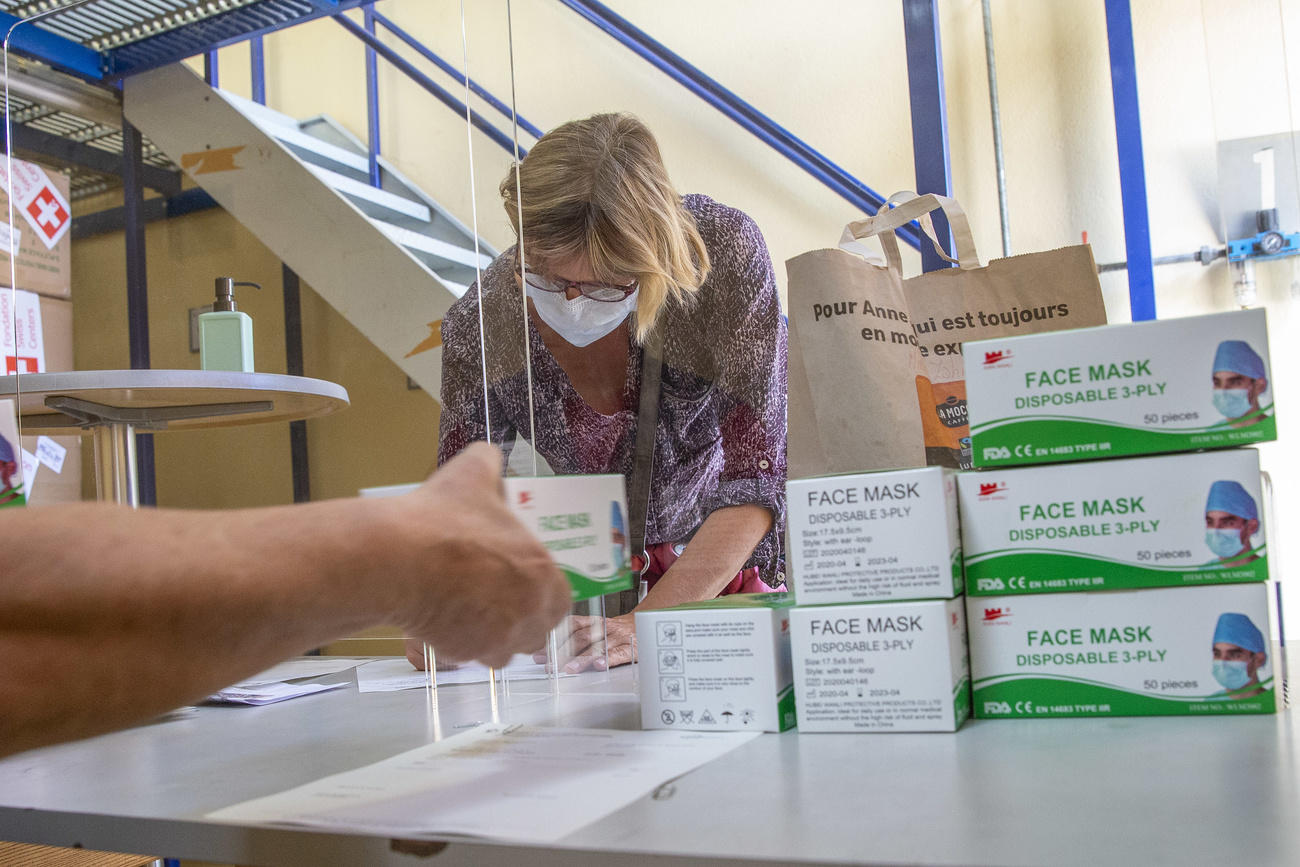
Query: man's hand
x=476 y=583
x=595 y=643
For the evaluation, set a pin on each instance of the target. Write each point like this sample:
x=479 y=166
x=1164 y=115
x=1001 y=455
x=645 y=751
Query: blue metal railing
x=372 y=99
x=762 y=126
x=480 y=92
x=440 y=93
x=780 y=139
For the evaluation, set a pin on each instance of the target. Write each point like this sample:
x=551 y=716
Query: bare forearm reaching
x=110 y=616
x=716 y=553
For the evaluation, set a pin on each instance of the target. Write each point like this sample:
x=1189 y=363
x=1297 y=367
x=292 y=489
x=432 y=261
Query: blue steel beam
x=428 y=84
x=929 y=117
x=211 y=68
x=64 y=54
x=479 y=91
x=137 y=295
x=1132 y=169
x=731 y=105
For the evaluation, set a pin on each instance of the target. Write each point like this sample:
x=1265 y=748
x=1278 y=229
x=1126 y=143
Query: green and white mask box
x=1169 y=385
x=720 y=665
x=1169 y=521
x=881 y=667
x=871 y=537
x=1184 y=651
x=582 y=521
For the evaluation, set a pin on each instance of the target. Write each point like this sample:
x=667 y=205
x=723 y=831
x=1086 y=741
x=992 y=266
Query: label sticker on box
x=21 y=338
x=51 y=453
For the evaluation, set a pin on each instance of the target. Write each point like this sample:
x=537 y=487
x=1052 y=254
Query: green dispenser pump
x=226 y=334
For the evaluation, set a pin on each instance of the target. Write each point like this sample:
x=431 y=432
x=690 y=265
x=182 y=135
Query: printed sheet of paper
x=518 y=783
x=302 y=666
x=389 y=675
x=268 y=693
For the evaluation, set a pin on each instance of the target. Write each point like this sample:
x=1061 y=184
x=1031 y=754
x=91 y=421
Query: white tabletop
x=1172 y=790
x=290 y=397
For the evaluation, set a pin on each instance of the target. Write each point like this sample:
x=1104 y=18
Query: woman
x=611 y=252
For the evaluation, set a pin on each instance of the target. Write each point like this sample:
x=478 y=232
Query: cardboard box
x=874 y=536
x=582 y=521
x=45 y=344
x=43 y=218
x=718 y=665
x=881 y=667
x=1141 y=522
x=1169 y=385
x=1122 y=653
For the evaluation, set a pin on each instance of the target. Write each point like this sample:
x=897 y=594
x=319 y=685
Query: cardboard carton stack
x=1126 y=585
x=878 y=634
x=41 y=310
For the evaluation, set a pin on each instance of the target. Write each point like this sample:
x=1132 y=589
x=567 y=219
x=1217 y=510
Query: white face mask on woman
x=583 y=320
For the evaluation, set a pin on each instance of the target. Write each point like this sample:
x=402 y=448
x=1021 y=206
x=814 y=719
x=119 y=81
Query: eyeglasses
x=594 y=291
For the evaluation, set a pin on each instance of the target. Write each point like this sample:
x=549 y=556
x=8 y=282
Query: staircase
x=388 y=258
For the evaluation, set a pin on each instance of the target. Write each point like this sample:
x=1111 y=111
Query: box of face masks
x=1169 y=385
x=1184 y=651
x=881 y=667
x=874 y=536
x=581 y=521
x=718 y=665
x=1175 y=520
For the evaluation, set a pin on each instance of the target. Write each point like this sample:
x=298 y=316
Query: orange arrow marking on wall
x=433 y=341
x=209 y=161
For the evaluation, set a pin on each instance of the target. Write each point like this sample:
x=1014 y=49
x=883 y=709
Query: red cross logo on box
x=29 y=364
x=47 y=214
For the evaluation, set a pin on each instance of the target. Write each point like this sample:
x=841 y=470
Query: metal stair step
x=258 y=113
x=374 y=202
x=307 y=146
x=322 y=153
x=451 y=253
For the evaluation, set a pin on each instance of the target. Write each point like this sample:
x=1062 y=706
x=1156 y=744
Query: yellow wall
x=387 y=436
x=834 y=72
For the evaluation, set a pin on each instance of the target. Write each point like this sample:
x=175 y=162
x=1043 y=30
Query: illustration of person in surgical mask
x=1239 y=654
x=618 y=534
x=9 y=487
x=1231 y=519
x=1239 y=380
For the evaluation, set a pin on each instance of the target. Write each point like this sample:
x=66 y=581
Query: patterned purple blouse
x=722 y=425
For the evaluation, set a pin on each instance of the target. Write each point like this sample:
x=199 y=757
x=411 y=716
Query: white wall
x=833 y=71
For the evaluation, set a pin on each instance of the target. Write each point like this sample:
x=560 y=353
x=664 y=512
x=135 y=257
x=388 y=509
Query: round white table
x=112 y=405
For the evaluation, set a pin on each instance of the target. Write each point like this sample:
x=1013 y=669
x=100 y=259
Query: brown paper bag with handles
x=876 y=374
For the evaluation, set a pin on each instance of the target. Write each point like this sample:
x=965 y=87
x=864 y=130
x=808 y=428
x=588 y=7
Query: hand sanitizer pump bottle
x=226 y=334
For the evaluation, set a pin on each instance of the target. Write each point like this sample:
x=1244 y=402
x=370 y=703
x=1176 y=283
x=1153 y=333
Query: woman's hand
x=594 y=643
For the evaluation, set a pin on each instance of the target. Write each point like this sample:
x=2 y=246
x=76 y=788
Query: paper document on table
x=303 y=666
x=518 y=783
x=268 y=693
x=388 y=675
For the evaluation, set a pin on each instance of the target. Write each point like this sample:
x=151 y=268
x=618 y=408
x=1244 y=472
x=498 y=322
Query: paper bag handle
x=910 y=207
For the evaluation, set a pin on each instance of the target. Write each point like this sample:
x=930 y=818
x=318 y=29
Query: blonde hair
x=597 y=188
